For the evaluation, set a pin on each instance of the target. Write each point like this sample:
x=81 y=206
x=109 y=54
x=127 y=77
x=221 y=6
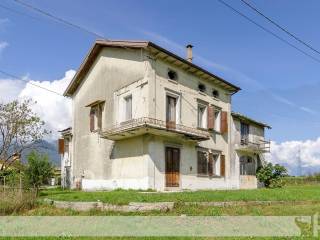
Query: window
x=202 y=116
x=215 y=93
x=202 y=87
x=128 y=108
x=244 y=131
x=171 y=110
x=217 y=120
x=207 y=163
x=202 y=163
x=96 y=117
x=172 y=75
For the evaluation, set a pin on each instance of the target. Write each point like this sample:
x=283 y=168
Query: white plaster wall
x=188 y=167
x=113 y=69
x=139 y=162
x=186 y=88
x=139 y=92
x=248 y=182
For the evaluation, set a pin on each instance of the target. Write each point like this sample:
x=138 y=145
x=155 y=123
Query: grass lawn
x=288 y=193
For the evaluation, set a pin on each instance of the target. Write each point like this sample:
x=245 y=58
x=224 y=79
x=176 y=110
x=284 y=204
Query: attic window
x=172 y=75
x=202 y=87
x=215 y=93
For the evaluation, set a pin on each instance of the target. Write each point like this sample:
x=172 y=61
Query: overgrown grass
x=13 y=200
x=289 y=193
x=189 y=210
x=306 y=180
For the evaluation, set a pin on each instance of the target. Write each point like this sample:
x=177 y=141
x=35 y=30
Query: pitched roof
x=156 y=50
x=248 y=119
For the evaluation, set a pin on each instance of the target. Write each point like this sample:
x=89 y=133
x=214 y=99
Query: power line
x=268 y=31
x=17 y=12
x=33 y=84
x=280 y=27
x=55 y=18
x=59 y=19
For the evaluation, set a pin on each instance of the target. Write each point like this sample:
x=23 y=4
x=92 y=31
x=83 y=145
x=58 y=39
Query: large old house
x=145 y=118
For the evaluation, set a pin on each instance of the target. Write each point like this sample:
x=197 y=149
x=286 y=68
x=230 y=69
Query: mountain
x=49 y=148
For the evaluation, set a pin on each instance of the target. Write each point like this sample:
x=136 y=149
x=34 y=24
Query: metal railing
x=157 y=124
x=261 y=145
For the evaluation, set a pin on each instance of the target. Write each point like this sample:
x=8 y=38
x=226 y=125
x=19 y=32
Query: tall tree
x=20 y=129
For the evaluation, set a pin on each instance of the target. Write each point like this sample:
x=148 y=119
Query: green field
x=289 y=193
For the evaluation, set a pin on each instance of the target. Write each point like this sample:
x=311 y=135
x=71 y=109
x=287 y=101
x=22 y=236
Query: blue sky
x=280 y=85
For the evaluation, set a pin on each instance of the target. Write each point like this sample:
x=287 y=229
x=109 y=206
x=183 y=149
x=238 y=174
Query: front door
x=172 y=167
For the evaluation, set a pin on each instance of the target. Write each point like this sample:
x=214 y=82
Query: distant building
x=145 y=118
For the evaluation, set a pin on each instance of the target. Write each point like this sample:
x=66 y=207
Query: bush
x=38 y=170
x=271 y=175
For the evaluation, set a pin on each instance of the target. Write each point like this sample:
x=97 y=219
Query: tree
x=20 y=129
x=38 y=170
x=271 y=175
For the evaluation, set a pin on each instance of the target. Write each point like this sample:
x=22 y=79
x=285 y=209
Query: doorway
x=172 y=167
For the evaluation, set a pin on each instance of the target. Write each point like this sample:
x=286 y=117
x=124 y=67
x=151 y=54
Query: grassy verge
x=189 y=210
x=289 y=193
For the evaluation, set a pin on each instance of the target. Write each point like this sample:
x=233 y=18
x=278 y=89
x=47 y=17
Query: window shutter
x=222 y=165
x=210 y=165
x=211 y=117
x=92 y=113
x=224 y=122
x=100 y=117
x=61 y=146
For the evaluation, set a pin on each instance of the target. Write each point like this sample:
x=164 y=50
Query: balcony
x=140 y=126
x=256 y=145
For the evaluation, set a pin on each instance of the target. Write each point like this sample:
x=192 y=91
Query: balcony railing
x=144 y=125
x=256 y=145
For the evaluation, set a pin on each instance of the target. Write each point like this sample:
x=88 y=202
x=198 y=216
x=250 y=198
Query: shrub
x=271 y=175
x=38 y=170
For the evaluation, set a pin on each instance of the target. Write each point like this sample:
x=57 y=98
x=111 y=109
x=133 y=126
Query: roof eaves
x=94 y=51
x=241 y=116
x=236 y=88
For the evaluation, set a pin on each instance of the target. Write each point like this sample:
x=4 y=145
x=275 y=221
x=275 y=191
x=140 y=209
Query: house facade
x=145 y=118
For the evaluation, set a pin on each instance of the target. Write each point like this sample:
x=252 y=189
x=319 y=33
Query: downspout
x=155 y=115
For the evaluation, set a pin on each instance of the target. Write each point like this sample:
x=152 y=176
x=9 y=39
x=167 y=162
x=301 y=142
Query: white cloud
x=299 y=156
x=55 y=110
x=10 y=89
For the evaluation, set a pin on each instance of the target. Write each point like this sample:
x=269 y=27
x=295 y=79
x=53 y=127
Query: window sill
x=173 y=81
x=203 y=129
x=207 y=176
x=95 y=131
x=202 y=93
